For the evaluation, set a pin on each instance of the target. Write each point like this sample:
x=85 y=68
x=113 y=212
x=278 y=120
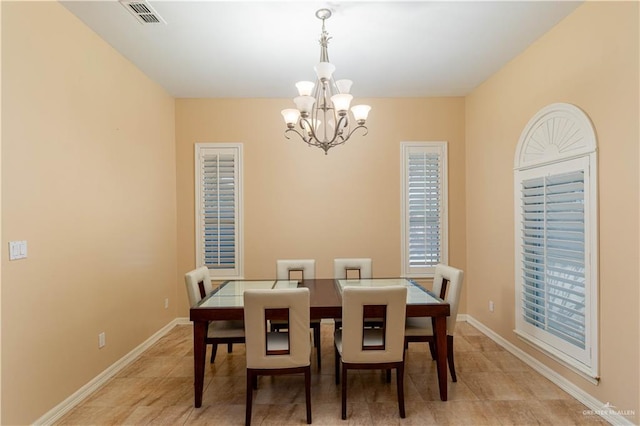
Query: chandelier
x=322 y=108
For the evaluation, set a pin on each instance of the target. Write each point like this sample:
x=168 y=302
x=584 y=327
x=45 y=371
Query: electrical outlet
x=166 y=303
x=491 y=306
x=102 y=340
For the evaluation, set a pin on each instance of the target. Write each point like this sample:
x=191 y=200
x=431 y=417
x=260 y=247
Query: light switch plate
x=17 y=250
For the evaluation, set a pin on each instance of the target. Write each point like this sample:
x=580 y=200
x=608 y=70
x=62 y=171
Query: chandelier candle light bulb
x=326 y=101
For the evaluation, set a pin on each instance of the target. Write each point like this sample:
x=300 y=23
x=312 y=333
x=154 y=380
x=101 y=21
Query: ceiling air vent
x=143 y=12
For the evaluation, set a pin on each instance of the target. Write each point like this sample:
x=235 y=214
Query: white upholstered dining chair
x=198 y=283
x=299 y=269
x=344 y=267
x=291 y=269
x=447 y=284
x=361 y=347
x=276 y=353
x=353 y=268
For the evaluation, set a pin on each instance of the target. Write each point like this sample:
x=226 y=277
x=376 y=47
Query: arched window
x=555 y=183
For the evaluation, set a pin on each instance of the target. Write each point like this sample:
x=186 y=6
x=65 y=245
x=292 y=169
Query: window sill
x=580 y=369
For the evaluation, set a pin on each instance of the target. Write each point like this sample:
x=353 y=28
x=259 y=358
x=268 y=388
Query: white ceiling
x=261 y=48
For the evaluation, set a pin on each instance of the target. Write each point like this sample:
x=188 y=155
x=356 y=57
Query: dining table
x=226 y=303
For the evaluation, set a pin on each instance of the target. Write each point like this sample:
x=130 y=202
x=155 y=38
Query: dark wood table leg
x=199 y=355
x=441 y=347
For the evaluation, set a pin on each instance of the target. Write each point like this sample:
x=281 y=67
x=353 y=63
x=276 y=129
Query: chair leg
x=214 y=350
x=337 y=365
x=250 y=381
x=307 y=389
x=432 y=349
x=388 y=375
x=315 y=329
x=316 y=341
x=452 y=367
x=344 y=392
x=229 y=347
x=400 y=382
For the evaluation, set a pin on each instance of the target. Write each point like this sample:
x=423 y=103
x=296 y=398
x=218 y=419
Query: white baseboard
x=182 y=321
x=595 y=406
x=77 y=397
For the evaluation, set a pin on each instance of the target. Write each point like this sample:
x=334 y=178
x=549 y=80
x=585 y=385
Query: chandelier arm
x=343 y=123
x=296 y=132
x=359 y=126
x=308 y=136
x=337 y=134
x=313 y=138
x=341 y=126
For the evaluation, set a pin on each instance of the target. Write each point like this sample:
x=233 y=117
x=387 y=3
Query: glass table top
x=415 y=294
x=230 y=293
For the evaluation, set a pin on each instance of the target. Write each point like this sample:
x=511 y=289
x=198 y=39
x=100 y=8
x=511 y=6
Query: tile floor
x=493 y=388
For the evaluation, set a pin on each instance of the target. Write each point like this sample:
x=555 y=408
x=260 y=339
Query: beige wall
x=88 y=179
x=300 y=203
x=591 y=60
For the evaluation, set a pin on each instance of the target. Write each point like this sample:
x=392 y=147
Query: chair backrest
x=286 y=268
x=342 y=266
x=451 y=278
x=258 y=306
x=198 y=284
x=356 y=302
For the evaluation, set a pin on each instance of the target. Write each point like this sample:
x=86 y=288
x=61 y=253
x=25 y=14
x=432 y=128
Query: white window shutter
x=218 y=208
x=424 y=205
x=553 y=255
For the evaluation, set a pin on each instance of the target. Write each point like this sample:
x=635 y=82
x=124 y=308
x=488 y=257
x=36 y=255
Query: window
x=556 y=231
x=219 y=209
x=424 y=207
